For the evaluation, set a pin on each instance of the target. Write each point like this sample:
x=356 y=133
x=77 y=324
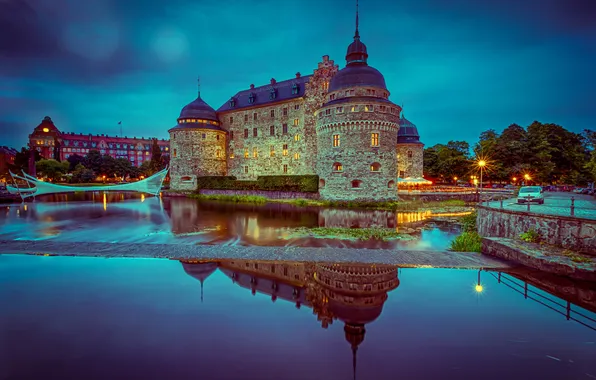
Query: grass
x=384 y=234
x=469 y=222
x=576 y=258
x=467 y=242
x=388 y=206
x=252 y=199
x=531 y=236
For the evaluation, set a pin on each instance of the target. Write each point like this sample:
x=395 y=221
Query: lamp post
x=481 y=164
x=527 y=178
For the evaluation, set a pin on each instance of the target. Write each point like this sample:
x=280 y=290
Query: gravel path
x=397 y=257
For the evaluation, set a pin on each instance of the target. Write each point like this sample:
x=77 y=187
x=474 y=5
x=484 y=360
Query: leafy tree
x=446 y=162
x=56 y=149
x=74 y=160
x=157 y=163
x=146 y=169
x=93 y=161
x=21 y=160
x=52 y=169
x=82 y=175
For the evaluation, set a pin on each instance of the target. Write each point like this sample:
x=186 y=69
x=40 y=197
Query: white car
x=530 y=194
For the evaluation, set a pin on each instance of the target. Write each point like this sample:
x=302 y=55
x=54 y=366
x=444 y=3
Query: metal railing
x=572 y=207
x=528 y=293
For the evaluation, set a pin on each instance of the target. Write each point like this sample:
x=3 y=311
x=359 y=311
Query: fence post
x=572 y=206
x=528 y=202
x=501 y=206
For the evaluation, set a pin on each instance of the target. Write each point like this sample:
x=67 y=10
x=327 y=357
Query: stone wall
x=266 y=194
x=410 y=160
x=436 y=197
x=568 y=232
x=196 y=152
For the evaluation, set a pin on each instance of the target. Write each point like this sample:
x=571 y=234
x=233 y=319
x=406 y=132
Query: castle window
x=391 y=184
x=174 y=153
x=321 y=183
x=186 y=179
x=246 y=133
x=285 y=111
x=255 y=132
x=320 y=115
x=347 y=92
x=296 y=121
x=272 y=113
x=339 y=110
x=402 y=174
x=217 y=137
x=368 y=91
x=254 y=116
x=356 y=184
x=296 y=106
x=374 y=139
x=231 y=152
x=296 y=156
x=272 y=130
x=297 y=138
x=336 y=140
x=332 y=97
x=251 y=98
x=232 y=102
x=352 y=92
x=246 y=172
x=203 y=136
x=218 y=153
x=328 y=112
x=385 y=95
x=383 y=108
x=246 y=118
x=255 y=152
x=375 y=167
x=231 y=135
x=294 y=89
x=369 y=108
x=285 y=150
x=337 y=167
x=285 y=168
x=409 y=154
x=373 y=92
x=354 y=109
x=285 y=129
x=245 y=153
x=231 y=119
x=271 y=151
x=272 y=94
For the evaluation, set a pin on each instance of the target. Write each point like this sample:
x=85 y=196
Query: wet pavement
x=555 y=203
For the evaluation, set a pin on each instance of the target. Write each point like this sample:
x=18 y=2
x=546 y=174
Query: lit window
x=296 y=121
x=354 y=108
x=297 y=138
x=231 y=152
x=218 y=153
x=402 y=174
x=285 y=150
x=374 y=139
x=245 y=153
x=285 y=168
x=255 y=152
x=339 y=110
x=146 y=153
x=271 y=151
x=296 y=156
x=335 y=140
x=337 y=167
x=375 y=167
x=174 y=152
x=46 y=130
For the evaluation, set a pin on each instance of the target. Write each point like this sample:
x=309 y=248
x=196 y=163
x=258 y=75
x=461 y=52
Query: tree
x=74 y=160
x=82 y=175
x=52 y=169
x=93 y=161
x=21 y=160
x=56 y=149
x=157 y=163
x=447 y=161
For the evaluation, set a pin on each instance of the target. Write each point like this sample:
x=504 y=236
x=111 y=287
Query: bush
x=469 y=222
x=531 y=236
x=294 y=183
x=467 y=242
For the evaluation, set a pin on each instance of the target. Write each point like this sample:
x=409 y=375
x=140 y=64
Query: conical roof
x=408 y=133
x=198 y=109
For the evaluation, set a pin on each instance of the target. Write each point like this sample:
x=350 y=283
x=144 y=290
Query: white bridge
x=150 y=185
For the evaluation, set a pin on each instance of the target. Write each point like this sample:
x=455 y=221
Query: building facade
x=7 y=157
x=337 y=124
x=50 y=142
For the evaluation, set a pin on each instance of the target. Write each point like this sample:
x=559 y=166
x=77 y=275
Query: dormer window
x=232 y=102
x=294 y=89
x=272 y=94
x=251 y=98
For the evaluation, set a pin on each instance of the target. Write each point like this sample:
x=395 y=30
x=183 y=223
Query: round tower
x=410 y=151
x=357 y=130
x=197 y=146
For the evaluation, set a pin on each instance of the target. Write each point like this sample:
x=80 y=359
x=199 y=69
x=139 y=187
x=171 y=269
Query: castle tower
x=197 y=146
x=357 y=130
x=410 y=151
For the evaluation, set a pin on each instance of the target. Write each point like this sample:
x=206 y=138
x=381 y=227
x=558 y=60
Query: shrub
x=294 y=183
x=531 y=236
x=469 y=222
x=231 y=198
x=467 y=242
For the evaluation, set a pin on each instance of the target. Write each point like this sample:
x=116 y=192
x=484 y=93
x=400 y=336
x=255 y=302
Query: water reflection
x=123 y=217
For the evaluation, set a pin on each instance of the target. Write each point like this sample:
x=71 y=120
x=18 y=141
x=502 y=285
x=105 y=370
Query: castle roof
x=268 y=94
x=47 y=126
x=407 y=133
x=198 y=109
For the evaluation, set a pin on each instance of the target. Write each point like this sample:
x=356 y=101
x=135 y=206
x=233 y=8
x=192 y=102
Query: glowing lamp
x=478 y=288
x=46 y=130
x=514 y=179
x=481 y=163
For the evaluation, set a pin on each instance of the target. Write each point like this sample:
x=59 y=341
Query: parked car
x=530 y=194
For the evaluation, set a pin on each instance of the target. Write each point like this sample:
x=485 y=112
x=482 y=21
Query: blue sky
x=459 y=66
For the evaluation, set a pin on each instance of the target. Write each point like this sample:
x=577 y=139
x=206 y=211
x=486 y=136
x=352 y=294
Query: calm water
x=89 y=318
x=131 y=218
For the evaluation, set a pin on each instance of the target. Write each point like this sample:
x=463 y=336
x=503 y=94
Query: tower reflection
x=351 y=293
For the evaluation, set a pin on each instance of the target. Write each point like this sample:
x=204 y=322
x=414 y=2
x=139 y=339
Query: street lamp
x=514 y=179
x=481 y=164
x=527 y=178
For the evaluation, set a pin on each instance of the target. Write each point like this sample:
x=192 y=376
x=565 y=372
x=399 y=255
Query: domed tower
x=197 y=146
x=200 y=270
x=410 y=151
x=357 y=132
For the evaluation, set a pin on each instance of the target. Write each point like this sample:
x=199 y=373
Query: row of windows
x=284 y=168
x=93 y=144
x=374 y=140
x=255 y=131
x=202 y=121
x=255 y=115
x=272 y=152
x=374 y=167
x=369 y=92
x=252 y=97
x=357 y=184
x=358 y=108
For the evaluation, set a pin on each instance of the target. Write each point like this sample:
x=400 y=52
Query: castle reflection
x=351 y=293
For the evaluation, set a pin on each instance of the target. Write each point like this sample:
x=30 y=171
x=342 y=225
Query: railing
x=528 y=293
x=528 y=202
x=448 y=189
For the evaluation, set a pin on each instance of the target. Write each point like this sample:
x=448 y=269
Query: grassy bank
x=384 y=234
x=251 y=199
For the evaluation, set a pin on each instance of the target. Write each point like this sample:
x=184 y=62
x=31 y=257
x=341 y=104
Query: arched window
x=337 y=167
x=409 y=154
x=321 y=183
x=186 y=179
x=174 y=152
x=251 y=98
x=375 y=167
x=356 y=184
x=391 y=184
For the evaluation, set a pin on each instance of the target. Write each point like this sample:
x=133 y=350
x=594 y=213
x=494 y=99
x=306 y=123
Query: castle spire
x=199 y=85
x=201 y=280
x=357 y=34
x=354 y=351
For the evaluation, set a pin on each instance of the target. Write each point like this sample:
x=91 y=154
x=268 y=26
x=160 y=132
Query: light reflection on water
x=118 y=217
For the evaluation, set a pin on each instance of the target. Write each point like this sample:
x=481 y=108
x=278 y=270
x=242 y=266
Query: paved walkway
x=555 y=203
x=438 y=259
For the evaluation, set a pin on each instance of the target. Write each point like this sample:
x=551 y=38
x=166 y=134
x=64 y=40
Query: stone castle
x=337 y=124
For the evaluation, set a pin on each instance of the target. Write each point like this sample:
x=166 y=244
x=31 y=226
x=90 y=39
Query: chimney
x=325 y=58
x=297 y=75
x=252 y=86
x=273 y=81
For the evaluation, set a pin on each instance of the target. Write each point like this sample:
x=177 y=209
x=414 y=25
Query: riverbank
x=403 y=258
